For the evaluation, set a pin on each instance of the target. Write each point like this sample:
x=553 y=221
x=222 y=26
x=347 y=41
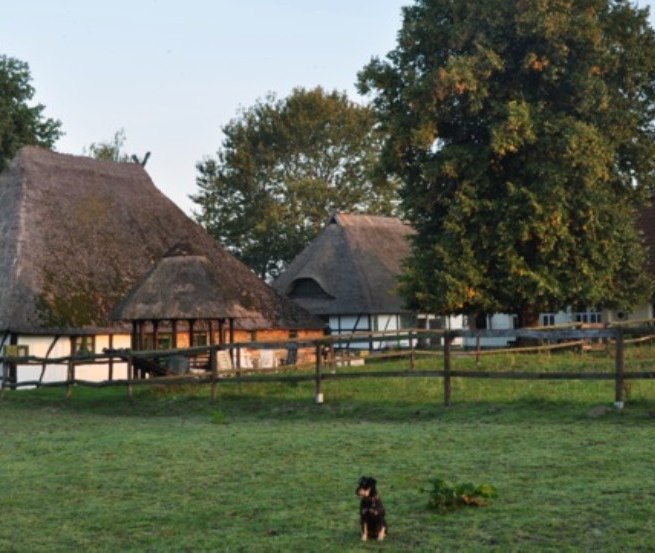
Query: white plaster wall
x=54 y=372
x=348 y=324
x=640 y=313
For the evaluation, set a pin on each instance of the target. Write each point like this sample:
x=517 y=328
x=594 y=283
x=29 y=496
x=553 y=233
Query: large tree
x=523 y=133
x=284 y=166
x=21 y=122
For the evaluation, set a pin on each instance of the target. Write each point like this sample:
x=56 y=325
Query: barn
x=77 y=235
x=347 y=277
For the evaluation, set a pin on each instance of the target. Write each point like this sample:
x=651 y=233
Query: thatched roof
x=182 y=285
x=77 y=234
x=350 y=267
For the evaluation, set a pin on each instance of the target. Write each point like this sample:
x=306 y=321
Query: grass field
x=265 y=469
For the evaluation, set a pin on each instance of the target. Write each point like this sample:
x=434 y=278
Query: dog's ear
x=374 y=490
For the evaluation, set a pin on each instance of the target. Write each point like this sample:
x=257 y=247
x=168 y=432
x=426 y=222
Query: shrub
x=446 y=497
x=218 y=417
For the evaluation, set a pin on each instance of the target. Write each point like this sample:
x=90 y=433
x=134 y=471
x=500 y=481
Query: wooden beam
x=318 y=394
x=619 y=366
x=174 y=332
x=446 y=369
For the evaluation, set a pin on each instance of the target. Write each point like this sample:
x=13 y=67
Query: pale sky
x=172 y=73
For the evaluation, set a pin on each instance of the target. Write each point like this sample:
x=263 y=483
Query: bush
x=446 y=497
x=218 y=417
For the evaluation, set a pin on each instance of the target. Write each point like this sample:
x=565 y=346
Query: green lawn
x=265 y=469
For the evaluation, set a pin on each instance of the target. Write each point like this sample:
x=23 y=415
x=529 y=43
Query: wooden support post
x=412 y=354
x=619 y=365
x=174 y=333
x=446 y=369
x=3 y=383
x=70 y=376
x=142 y=336
x=130 y=376
x=111 y=358
x=318 y=396
x=213 y=367
x=477 y=348
x=230 y=340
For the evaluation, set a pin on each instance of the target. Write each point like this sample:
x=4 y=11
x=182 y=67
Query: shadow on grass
x=351 y=403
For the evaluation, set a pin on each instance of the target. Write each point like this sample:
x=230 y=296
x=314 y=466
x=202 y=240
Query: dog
x=371 y=511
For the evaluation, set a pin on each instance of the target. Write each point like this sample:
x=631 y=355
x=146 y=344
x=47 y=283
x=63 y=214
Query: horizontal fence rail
x=326 y=359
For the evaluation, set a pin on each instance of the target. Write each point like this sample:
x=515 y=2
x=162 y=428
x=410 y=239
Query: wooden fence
x=333 y=351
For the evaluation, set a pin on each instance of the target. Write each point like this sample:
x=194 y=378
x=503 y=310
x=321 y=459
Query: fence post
x=3 y=383
x=477 y=348
x=412 y=353
x=318 y=396
x=213 y=366
x=130 y=376
x=70 y=375
x=446 y=369
x=619 y=365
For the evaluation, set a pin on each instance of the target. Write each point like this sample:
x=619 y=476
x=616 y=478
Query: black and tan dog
x=371 y=510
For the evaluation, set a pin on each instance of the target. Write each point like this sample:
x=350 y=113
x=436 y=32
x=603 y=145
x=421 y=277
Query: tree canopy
x=21 y=123
x=522 y=131
x=111 y=150
x=284 y=166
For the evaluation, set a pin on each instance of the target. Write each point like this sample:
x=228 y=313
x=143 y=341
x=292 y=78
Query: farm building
x=347 y=277
x=77 y=235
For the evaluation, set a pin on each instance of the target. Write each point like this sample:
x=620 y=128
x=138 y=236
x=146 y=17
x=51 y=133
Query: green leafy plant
x=446 y=497
x=218 y=417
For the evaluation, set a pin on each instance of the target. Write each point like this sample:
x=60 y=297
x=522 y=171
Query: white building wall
x=347 y=324
x=390 y=322
x=642 y=312
x=497 y=321
x=56 y=372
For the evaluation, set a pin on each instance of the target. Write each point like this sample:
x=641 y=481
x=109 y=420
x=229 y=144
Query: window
x=16 y=351
x=547 y=319
x=478 y=322
x=588 y=317
x=164 y=341
x=199 y=339
x=408 y=321
x=84 y=344
x=308 y=288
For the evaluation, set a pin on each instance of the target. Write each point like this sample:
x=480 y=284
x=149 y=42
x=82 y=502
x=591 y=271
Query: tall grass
x=266 y=469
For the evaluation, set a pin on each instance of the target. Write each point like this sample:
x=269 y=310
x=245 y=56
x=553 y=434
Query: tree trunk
x=528 y=316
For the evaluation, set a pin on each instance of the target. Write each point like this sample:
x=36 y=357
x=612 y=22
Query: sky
x=171 y=74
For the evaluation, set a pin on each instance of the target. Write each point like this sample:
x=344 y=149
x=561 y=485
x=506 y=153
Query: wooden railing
x=328 y=353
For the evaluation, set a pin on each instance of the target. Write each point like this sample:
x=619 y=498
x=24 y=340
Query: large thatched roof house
x=77 y=234
x=347 y=275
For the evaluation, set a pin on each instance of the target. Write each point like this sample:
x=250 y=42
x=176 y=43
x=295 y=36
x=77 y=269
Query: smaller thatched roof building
x=350 y=267
x=77 y=234
x=182 y=285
